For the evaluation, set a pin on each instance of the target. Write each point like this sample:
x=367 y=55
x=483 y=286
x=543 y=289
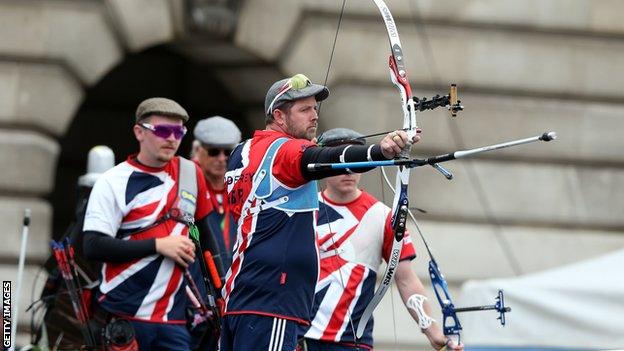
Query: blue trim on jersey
x=138 y=182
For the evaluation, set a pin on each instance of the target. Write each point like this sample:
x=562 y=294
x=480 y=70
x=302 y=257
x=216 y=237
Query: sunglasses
x=165 y=130
x=213 y=152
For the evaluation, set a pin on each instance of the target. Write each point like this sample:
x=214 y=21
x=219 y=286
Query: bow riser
x=401 y=205
x=440 y=287
x=407 y=102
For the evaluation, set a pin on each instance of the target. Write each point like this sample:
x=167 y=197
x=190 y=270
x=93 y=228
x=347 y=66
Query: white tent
x=579 y=306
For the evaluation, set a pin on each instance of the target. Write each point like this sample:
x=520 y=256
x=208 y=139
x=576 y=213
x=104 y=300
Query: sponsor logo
x=188 y=196
x=245 y=177
x=391 y=267
x=389 y=22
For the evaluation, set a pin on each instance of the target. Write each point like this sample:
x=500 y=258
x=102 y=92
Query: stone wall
x=522 y=68
x=50 y=52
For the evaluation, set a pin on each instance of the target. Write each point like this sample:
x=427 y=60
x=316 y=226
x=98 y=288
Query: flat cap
x=161 y=106
x=217 y=131
x=340 y=136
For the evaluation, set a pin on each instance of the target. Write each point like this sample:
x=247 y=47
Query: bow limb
x=398 y=73
x=400 y=203
x=450 y=322
x=399 y=217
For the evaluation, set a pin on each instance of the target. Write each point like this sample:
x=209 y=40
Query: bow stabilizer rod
x=433 y=160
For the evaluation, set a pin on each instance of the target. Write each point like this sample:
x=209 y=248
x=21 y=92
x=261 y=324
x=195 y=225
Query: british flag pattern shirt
x=124 y=201
x=275 y=259
x=353 y=238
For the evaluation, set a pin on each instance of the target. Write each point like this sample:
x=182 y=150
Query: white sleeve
x=103 y=213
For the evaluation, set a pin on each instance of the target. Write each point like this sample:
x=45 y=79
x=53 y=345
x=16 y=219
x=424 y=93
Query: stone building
x=72 y=72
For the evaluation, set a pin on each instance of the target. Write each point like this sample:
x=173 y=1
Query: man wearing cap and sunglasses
x=216 y=137
x=270 y=286
x=137 y=223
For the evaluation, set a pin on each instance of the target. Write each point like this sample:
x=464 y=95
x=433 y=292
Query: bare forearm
x=409 y=284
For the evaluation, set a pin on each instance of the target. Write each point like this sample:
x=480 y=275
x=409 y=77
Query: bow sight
x=499 y=306
x=449 y=101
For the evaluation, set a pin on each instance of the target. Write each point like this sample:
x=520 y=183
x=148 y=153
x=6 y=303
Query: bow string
x=451 y=325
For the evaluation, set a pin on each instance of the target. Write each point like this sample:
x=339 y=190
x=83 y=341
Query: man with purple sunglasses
x=136 y=224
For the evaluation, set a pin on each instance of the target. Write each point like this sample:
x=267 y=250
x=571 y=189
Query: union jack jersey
x=275 y=258
x=353 y=238
x=124 y=200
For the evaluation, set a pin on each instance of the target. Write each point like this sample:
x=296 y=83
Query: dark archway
x=106 y=115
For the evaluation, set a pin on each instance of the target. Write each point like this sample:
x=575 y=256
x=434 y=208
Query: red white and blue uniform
x=353 y=238
x=275 y=260
x=125 y=200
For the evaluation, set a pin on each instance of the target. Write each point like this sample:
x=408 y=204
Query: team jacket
x=275 y=262
x=353 y=238
x=126 y=198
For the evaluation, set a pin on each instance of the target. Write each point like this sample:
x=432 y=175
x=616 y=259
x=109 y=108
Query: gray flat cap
x=291 y=89
x=340 y=136
x=217 y=131
x=161 y=106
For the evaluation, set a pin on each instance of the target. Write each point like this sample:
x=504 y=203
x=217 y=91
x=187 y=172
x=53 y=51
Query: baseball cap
x=291 y=89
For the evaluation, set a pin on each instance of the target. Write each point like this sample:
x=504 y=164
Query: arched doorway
x=106 y=114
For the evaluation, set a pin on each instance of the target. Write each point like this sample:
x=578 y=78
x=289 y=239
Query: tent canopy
x=579 y=306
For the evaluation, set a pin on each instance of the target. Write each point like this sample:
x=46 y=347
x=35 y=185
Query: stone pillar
x=49 y=51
